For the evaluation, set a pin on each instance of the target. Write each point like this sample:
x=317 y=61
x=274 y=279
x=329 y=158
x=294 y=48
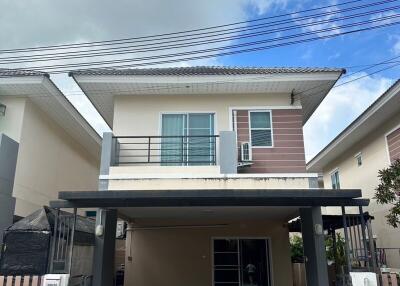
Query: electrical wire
x=388 y=61
x=92 y=43
x=58 y=68
x=79 y=55
x=160 y=46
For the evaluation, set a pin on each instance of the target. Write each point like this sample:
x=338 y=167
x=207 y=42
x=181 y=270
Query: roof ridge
x=203 y=70
x=12 y=72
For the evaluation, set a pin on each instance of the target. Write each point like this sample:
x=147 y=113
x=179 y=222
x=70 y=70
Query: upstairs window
x=260 y=129
x=187 y=139
x=335 y=180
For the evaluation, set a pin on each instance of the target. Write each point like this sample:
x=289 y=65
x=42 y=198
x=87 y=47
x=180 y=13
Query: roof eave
x=44 y=80
x=317 y=163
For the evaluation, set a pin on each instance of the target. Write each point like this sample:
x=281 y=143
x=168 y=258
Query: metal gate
x=62 y=243
x=359 y=245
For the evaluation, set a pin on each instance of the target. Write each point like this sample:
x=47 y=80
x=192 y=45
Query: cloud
x=49 y=22
x=342 y=105
x=262 y=6
x=396 y=46
x=390 y=17
x=311 y=26
x=307 y=55
x=334 y=56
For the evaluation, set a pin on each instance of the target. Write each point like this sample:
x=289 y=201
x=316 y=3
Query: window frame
x=333 y=172
x=187 y=113
x=269 y=254
x=270 y=128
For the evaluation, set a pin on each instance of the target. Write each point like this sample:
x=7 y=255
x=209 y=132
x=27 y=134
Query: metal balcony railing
x=165 y=150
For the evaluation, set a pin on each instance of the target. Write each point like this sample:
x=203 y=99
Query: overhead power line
x=385 y=62
x=199 y=54
x=93 y=43
x=329 y=87
x=231 y=35
x=85 y=55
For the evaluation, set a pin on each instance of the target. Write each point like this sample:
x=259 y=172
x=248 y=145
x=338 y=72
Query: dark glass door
x=241 y=262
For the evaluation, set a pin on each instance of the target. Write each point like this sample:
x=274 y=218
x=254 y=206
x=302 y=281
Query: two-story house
x=207 y=164
x=45 y=145
x=353 y=159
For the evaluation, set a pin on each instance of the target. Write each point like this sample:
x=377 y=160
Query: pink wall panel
x=287 y=155
x=393 y=141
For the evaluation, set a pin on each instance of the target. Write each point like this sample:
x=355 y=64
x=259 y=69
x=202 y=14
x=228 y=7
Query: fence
x=389 y=279
x=79 y=280
x=62 y=243
x=20 y=280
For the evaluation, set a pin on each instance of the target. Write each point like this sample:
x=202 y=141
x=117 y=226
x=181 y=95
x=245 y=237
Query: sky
x=49 y=22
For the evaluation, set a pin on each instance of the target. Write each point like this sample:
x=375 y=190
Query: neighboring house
x=58 y=149
x=207 y=165
x=353 y=159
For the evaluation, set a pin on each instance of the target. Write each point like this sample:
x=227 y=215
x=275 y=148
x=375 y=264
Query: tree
x=388 y=191
x=296 y=248
x=297 y=252
x=339 y=255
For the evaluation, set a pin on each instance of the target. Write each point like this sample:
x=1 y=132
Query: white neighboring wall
x=49 y=159
x=375 y=157
x=11 y=122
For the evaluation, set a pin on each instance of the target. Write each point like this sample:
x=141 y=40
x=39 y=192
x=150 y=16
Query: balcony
x=185 y=162
x=165 y=150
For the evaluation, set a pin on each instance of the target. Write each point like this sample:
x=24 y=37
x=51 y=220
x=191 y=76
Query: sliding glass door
x=186 y=139
x=241 y=262
x=173 y=129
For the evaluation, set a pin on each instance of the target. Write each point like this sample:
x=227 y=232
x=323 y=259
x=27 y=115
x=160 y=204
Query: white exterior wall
x=11 y=123
x=140 y=115
x=49 y=160
x=374 y=158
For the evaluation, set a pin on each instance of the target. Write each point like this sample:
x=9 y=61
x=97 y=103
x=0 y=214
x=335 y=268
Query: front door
x=241 y=262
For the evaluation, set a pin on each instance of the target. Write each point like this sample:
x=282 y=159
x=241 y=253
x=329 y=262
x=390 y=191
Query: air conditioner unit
x=245 y=152
x=55 y=280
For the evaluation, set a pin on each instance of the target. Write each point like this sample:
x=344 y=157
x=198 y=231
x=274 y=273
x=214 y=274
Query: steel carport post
x=364 y=237
x=346 y=239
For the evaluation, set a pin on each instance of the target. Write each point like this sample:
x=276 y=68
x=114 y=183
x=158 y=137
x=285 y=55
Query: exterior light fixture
x=318 y=229
x=2 y=110
x=99 y=231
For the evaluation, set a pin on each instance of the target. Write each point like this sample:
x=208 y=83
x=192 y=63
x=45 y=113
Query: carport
x=218 y=206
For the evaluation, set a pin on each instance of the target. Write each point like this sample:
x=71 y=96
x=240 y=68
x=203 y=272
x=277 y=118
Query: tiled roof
x=204 y=70
x=20 y=72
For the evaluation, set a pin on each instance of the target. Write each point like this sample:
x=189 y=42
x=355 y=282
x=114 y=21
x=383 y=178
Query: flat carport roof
x=207 y=197
x=332 y=222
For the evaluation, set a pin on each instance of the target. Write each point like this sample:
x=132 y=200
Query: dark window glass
x=261 y=137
